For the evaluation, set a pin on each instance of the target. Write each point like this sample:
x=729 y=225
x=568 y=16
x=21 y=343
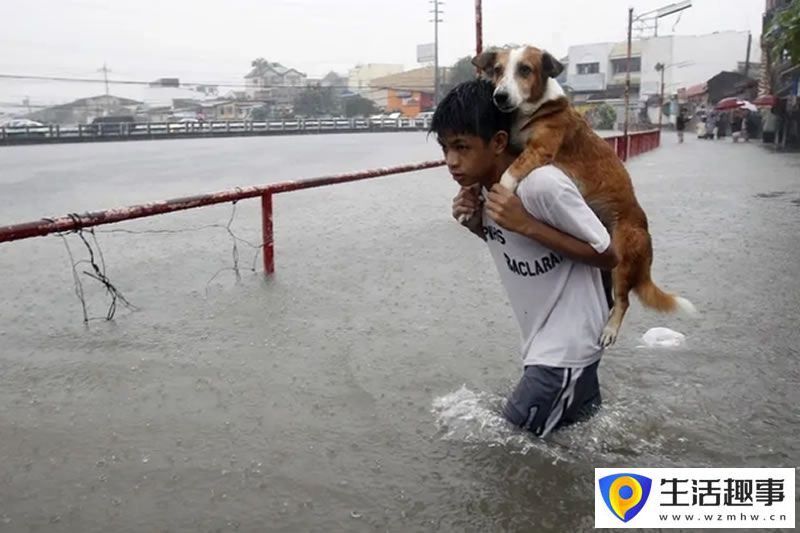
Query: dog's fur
x=549 y=131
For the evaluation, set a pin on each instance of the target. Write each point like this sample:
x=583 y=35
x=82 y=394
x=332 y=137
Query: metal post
x=627 y=87
x=747 y=60
x=435 y=53
x=436 y=74
x=661 y=97
x=267 y=237
x=478 y=27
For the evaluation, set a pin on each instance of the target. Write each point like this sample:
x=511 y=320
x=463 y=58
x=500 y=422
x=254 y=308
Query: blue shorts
x=548 y=397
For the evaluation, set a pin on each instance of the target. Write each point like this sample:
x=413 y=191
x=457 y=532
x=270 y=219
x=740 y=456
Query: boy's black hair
x=469 y=109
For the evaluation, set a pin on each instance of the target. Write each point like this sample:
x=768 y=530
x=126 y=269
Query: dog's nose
x=500 y=98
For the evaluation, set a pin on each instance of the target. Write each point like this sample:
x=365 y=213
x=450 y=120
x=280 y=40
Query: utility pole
x=627 y=86
x=105 y=72
x=478 y=27
x=436 y=20
x=747 y=60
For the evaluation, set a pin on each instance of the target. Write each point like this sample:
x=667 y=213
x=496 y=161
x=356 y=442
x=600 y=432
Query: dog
x=548 y=130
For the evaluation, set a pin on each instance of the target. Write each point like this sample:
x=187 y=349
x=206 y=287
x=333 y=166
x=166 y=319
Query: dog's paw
x=508 y=181
x=608 y=337
x=464 y=219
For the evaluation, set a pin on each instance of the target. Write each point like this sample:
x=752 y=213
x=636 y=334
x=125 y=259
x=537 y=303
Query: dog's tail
x=653 y=297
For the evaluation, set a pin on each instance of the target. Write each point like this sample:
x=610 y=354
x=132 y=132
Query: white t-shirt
x=559 y=303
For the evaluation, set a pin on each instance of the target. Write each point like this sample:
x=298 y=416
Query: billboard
x=425 y=53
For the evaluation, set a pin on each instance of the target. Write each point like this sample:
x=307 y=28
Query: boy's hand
x=506 y=209
x=466 y=203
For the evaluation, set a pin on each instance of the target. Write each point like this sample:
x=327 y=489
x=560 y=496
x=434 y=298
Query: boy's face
x=469 y=158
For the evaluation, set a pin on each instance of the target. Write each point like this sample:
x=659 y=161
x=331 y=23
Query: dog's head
x=520 y=74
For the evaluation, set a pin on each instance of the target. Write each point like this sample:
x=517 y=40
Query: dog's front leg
x=473 y=219
x=540 y=150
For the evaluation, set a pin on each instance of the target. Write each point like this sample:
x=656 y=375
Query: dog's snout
x=500 y=98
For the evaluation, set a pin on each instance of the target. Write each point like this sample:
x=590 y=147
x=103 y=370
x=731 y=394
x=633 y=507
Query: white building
x=588 y=66
x=693 y=59
x=689 y=60
x=360 y=76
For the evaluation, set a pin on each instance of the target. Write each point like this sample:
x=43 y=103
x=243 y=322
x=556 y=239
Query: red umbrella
x=766 y=100
x=726 y=104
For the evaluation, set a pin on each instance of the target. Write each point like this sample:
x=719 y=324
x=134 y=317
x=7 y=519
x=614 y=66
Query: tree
x=783 y=37
x=358 y=106
x=461 y=71
x=602 y=116
x=315 y=101
x=259 y=63
x=260 y=113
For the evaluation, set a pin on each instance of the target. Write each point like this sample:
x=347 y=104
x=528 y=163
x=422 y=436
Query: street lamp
x=661 y=67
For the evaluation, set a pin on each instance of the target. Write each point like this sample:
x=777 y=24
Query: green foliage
x=260 y=113
x=602 y=117
x=358 y=106
x=783 y=36
x=461 y=71
x=316 y=101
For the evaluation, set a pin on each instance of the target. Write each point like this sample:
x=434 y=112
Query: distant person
x=549 y=248
x=770 y=124
x=723 y=124
x=736 y=126
x=680 y=123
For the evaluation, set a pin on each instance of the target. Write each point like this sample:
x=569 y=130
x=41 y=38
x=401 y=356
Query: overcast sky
x=214 y=41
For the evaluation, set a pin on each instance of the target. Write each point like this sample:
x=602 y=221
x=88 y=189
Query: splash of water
x=612 y=434
x=475 y=418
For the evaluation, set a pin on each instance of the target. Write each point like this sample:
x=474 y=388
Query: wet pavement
x=357 y=389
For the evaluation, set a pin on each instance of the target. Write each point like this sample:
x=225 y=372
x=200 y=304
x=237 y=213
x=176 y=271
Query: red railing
x=638 y=143
x=74 y=222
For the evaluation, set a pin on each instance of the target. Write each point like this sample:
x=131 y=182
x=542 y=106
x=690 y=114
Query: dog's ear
x=485 y=62
x=551 y=67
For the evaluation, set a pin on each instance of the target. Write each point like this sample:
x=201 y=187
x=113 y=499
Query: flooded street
x=358 y=389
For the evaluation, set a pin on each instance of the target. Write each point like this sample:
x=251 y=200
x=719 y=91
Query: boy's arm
x=568 y=245
x=569 y=226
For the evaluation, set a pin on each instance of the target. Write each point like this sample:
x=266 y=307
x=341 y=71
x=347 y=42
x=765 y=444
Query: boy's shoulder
x=547 y=181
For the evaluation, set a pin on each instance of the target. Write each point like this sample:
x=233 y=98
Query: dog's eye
x=525 y=70
x=498 y=70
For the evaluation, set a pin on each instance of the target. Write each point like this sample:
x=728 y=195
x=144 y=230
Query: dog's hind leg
x=633 y=245
x=622 y=286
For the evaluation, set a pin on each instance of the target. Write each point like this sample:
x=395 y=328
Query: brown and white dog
x=548 y=130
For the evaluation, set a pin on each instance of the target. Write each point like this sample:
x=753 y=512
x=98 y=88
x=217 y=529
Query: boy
x=548 y=247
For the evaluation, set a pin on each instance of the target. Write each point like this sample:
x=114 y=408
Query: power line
x=194 y=84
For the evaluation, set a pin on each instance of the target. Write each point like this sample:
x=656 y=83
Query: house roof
x=418 y=79
x=120 y=100
x=696 y=90
x=273 y=67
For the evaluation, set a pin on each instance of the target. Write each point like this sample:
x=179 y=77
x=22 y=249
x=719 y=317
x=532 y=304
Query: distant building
x=360 y=77
x=723 y=85
x=596 y=72
x=83 y=110
x=409 y=92
x=274 y=83
x=336 y=81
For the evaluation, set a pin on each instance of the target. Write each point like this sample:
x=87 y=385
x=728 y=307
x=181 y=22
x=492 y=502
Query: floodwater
x=358 y=389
